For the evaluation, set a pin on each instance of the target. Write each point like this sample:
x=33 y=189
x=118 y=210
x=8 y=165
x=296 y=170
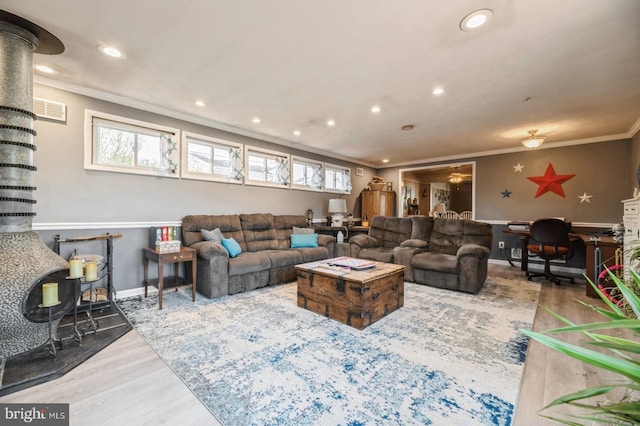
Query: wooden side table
x=185 y=254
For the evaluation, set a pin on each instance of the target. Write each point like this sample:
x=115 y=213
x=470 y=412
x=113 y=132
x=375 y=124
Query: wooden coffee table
x=356 y=298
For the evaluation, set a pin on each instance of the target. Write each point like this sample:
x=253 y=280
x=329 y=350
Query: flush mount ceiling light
x=200 y=103
x=111 y=51
x=476 y=19
x=331 y=123
x=375 y=109
x=45 y=69
x=256 y=120
x=438 y=91
x=296 y=132
x=385 y=160
x=533 y=141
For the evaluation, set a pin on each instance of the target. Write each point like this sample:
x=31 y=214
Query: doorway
x=440 y=187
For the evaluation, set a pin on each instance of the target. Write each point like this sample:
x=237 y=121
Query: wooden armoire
x=377 y=203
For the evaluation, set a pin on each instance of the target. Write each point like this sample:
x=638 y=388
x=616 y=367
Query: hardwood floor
x=127 y=383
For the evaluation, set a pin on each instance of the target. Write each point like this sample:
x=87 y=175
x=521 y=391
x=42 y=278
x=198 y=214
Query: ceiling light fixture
x=533 y=141
x=111 y=51
x=256 y=120
x=375 y=109
x=296 y=132
x=476 y=19
x=45 y=69
x=200 y=104
x=331 y=123
x=385 y=160
x=455 y=178
x=438 y=91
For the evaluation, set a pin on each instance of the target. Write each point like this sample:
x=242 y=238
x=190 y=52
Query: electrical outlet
x=501 y=244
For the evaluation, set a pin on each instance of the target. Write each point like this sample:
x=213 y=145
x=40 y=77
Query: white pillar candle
x=49 y=294
x=75 y=268
x=91 y=271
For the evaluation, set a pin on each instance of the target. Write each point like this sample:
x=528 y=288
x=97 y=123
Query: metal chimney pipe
x=19 y=39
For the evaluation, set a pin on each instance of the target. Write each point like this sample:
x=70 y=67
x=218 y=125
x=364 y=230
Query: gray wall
x=603 y=170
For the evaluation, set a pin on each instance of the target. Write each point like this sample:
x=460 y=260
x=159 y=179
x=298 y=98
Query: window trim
x=90 y=152
x=308 y=161
x=329 y=166
x=248 y=150
x=184 y=158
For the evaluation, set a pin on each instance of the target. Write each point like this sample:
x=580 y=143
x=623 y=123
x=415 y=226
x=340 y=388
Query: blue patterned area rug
x=257 y=359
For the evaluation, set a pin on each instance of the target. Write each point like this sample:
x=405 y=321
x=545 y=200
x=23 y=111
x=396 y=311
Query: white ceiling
x=296 y=64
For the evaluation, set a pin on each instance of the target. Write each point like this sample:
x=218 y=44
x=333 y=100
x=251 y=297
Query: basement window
x=212 y=159
x=266 y=168
x=120 y=144
x=307 y=174
x=337 y=179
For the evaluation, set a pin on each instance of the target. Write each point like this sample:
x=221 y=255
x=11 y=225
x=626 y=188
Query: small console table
x=185 y=254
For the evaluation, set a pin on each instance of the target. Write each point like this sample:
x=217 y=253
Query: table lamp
x=337 y=208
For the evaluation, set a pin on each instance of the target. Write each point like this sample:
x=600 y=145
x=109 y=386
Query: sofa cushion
x=435 y=262
x=478 y=233
x=229 y=226
x=446 y=236
x=421 y=228
x=280 y=258
x=259 y=231
x=215 y=235
x=299 y=231
x=284 y=225
x=379 y=254
x=304 y=240
x=390 y=231
x=311 y=254
x=231 y=246
x=248 y=262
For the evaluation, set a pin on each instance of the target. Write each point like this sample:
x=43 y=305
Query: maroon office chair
x=550 y=240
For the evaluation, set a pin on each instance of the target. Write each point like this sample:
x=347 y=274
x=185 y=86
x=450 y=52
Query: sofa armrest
x=209 y=249
x=415 y=243
x=325 y=240
x=473 y=250
x=364 y=241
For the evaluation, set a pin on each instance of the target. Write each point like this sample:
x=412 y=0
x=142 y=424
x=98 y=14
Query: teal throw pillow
x=304 y=240
x=232 y=246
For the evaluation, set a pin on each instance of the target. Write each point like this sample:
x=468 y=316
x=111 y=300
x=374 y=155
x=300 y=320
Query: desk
x=333 y=230
x=605 y=243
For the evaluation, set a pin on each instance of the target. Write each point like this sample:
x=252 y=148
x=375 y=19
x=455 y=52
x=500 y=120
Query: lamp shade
x=337 y=205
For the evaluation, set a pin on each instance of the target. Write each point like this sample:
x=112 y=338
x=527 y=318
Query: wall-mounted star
x=506 y=194
x=550 y=182
x=584 y=197
x=518 y=168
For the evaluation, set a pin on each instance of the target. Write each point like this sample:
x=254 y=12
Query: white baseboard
x=121 y=294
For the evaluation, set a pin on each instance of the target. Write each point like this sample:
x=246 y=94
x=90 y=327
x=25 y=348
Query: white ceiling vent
x=51 y=110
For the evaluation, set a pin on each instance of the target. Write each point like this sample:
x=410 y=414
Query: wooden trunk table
x=356 y=298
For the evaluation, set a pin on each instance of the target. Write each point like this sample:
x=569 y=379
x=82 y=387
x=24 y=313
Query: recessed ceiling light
x=375 y=108
x=256 y=120
x=45 y=69
x=385 y=160
x=476 y=19
x=296 y=132
x=438 y=91
x=111 y=51
x=200 y=103
x=331 y=123
x=407 y=127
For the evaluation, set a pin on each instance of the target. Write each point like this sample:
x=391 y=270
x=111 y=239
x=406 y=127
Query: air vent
x=51 y=110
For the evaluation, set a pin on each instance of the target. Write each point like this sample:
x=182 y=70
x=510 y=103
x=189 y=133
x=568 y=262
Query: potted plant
x=621 y=358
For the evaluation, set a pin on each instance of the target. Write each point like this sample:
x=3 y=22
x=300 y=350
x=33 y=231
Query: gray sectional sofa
x=266 y=255
x=445 y=253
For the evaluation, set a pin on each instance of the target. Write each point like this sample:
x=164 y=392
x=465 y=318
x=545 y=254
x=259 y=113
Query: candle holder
x=51 y=342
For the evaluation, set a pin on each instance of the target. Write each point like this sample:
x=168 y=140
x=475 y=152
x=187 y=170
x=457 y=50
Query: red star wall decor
x=550 y=182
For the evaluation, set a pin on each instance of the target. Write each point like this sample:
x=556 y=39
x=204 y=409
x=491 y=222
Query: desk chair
x=550 y=240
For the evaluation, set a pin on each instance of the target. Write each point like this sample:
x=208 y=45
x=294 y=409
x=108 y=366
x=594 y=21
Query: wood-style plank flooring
x=127 y=383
